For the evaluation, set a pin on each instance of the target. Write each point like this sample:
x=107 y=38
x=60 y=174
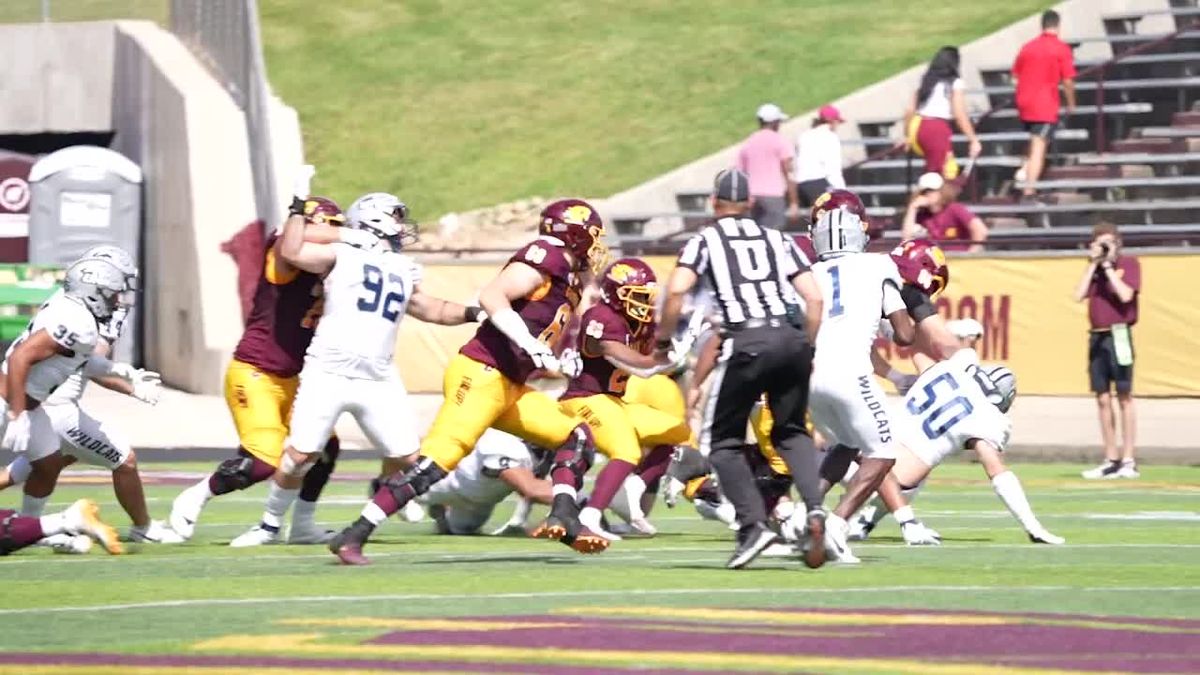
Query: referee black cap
x=732 y=185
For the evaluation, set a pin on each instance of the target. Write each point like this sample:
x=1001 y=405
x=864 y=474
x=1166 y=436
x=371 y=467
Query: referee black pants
x=772 y=360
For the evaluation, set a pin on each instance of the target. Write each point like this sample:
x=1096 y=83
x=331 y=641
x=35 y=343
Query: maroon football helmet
x=577 y=224
x=630 y=287
x=838 y=199
x=323 y=211
x=923 y=264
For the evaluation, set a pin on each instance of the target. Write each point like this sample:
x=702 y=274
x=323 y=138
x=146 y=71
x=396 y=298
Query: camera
x=1105 y=248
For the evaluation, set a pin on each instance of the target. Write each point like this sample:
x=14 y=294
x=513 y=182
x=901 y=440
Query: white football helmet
x=118 y=257
x=1003 y=387
x=384 y=216
x=839 y=231
x=100 y=285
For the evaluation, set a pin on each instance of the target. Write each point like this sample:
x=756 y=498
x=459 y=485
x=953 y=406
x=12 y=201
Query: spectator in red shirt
x=933 y=213
x=1041 y=64
x=1110 y=284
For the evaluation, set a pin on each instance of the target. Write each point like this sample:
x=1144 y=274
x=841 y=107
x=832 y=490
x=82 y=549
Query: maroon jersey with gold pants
x=484 y=385
x=261 y=381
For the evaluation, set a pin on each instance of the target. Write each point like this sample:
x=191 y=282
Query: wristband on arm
x=474 y=314
x=918 y=304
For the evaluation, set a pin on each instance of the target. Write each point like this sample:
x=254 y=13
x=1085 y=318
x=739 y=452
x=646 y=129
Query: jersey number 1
x=391 y=302
x=835 y=307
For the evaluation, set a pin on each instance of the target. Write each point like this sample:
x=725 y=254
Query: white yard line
x=881 y=590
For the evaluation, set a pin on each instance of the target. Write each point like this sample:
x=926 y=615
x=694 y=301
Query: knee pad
x=416 y=481
x=577 y=453
x=837 y=462
x=7 y=543
x=289 y=466
x=236 y=473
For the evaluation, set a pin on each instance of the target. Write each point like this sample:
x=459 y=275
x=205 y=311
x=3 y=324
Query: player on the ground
x=348 y=367
x=262 y=378
x=500 y=465
x=56 y=343
x=82 y=519
x=847 y=403
x=615 y=344
x=528 y=305
x=955 y=405
x=84 y=437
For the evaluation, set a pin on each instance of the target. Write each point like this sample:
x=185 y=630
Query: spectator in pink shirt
x=933 y=213
x=766 y=157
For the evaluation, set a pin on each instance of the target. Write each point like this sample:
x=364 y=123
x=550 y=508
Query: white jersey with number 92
x=947 y=408
x=365 y=295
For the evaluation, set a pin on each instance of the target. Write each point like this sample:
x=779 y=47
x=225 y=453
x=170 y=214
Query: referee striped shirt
x=750 y=267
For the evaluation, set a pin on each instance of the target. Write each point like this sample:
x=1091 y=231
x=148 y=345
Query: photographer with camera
x=1111 y=284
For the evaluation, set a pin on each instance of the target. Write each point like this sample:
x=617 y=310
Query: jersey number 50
x=943 y=417
x=373 y=282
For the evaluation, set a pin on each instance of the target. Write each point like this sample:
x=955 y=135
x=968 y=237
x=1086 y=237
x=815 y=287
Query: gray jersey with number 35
x=74 y=328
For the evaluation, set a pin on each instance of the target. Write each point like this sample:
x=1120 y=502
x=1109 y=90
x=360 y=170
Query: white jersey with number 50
x=366 y=295
x=857 y=288
x=947 y=408
x=74 y=328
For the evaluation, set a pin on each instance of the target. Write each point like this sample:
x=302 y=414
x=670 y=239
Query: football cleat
x=155 y=533
x=813 y=547
x=780 y=549
x=83 y=517
x=70 y=544
x=722 y=511
x=347 y=546
x=836 y=546
x=589 y=517
x=643 y=527
x=863 y=524
x=185 y=510
x=1128 y=470
x=916 y=534
x=1044 y=536
x=256 y=536
x=308 y=532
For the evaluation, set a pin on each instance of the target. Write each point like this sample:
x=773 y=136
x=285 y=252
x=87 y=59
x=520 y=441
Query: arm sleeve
x=892 y=302
x=694 y=255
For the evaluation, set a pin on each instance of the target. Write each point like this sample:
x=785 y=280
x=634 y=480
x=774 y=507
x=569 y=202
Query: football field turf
x=1123 y=594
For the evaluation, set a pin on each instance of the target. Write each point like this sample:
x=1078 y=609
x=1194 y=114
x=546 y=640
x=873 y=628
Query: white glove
x=124 y=371
x=147 y=386
x=543 y=357
x=302 y=184
x=916 y=534
x=358 y=238
x=570 y=363
x=1043 y=536
x=16 y=434
x=675 y=488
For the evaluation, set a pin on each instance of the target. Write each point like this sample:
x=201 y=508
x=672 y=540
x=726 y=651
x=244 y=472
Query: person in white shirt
x=819 y=157
x=348 y=366
x=937 y=102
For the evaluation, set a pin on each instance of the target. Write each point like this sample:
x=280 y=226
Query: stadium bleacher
x=1127 y=154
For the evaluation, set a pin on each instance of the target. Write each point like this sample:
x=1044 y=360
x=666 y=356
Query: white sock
x=904 y=514
x=304 y=512
x=564 y=489
x=373 y=513
x=521 y=513
x=202 y=490
x=55 y=523
x=592 y=513
x=19 y=470
x=1008 y=488
x=279 y=500
x=33 y=506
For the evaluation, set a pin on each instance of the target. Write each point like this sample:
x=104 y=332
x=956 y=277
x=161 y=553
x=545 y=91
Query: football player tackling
x=528 y=305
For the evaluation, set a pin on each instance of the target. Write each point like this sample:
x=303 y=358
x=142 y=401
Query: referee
x=766 y=346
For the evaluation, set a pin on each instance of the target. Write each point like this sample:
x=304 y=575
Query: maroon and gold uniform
x=621 y=428
x=484 y=384
x=261 y=381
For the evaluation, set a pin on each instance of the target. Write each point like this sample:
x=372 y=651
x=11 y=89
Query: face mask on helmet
x=639 y=301
x=837 y=232
x=998 y=383
x=384 y=216
x=100 y=285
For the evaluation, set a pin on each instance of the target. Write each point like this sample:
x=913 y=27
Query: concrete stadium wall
x=887 y=99
x=56 y=77
x=183 y=128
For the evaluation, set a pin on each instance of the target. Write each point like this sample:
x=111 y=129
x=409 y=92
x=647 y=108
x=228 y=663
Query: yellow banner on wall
x=1026 y=305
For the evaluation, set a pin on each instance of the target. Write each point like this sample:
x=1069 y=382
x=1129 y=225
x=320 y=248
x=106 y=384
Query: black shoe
x=752 y=540
x=347 y=545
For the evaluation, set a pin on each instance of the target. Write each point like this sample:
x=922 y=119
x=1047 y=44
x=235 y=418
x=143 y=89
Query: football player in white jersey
x=55 y=345
x=462 y=502
x=83 y=437
x=348 y=366
x=846 y=402
x=954 y=405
